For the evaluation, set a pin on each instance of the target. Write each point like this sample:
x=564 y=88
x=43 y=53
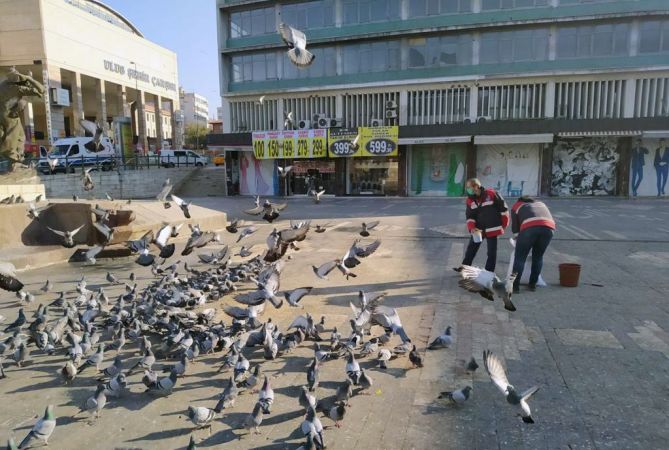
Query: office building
x=552 y=97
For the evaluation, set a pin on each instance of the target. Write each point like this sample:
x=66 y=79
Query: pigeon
x=18 y=323
x=42 y=430
x=75 y=198
x=306 y=400
x=246 y=232
x=288 y=120
x=356 y=251
x=233 y=226
x=458 y=397
x=105 y=231
x=68 y=372
x=368 y=226
x=471 y=366
x=324 y=270
x=94 y=360
x=34 y=212
x=487 y=284
x=266 y=396
x=68 y=236
x=201 y=417
x=313 y=375
x=8 y=280
x=415 y=358
x=253 y=420
x=320 y=229
x=94 y=129
x=87 y=180
x=181 y=204
x=252 y=380
x=191 y=443
x=337 y=413
x=47 y=286
x=244 y=252
x=164 y=386
x=344 y=391
x=297 y=43
x=95 y=403
x=311 y=426
x=353 y=369
x=91 y=253
x=497 y=374
x=228 y=397
x=284 y=171
x=316 y=195
x=293 y=297
x=443 y=341
x=109 y=197
x=111 y=278
x=53 y=163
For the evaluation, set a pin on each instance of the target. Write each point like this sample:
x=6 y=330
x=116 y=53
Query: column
x=55 y=119
x=473 y=102
x=629 y=98
x=101 y=103
x=77 y=104
x=29 y=123
x=159 y=122
x=143 y=141
x=403 y=108
x=123 y=99
x=549 y=107
x=227 y=124
x=280 y=108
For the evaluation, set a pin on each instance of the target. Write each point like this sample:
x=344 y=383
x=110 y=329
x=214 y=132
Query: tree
x=194 y=135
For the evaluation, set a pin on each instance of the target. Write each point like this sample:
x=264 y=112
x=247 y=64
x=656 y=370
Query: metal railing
x=109 y=163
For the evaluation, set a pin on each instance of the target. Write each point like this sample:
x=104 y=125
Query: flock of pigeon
x=171 y=319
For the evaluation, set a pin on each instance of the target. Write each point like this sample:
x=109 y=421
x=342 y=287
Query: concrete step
x=204 y=182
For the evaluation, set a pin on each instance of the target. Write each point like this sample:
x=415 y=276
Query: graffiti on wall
x=256 y=176
x=511 y=169
x=438 y=170
x=584 y=167
x=649 y=167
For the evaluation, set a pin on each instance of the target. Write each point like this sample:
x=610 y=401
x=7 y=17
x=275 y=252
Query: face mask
x=470 y=191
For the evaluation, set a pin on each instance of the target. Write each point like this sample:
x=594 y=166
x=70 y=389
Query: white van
x=78 y=152
x=176 y=158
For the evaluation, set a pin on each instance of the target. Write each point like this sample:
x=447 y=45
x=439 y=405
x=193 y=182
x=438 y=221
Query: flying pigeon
x=68 y=236
x=288 y=120
x=246 y=232
x=95 y=130
x=297 y=43
x=284 y=171
x=316 y=195
x=181 y=204
x=487 y=284
x=356 y=251
x=497 y=374
x=366 y=226
x=8 y=280
x=293 y=297
x=88 y=180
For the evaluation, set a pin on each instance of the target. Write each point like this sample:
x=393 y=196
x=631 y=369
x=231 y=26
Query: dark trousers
x=661 y=173
x=473 y=247
x=637 y=177
x=537 y=240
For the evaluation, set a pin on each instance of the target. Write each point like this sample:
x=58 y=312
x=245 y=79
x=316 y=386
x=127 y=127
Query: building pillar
x=623 y=166
x=470 y=159
x=476 y=6
x=101 y=102
x=549 y=107
x=339 y=14
x=159 y=122
x=123 y=99
x=29 y=124
x=630 y=97
x=634 y=38
x=403 y=113
x=473 y=102
x=143 y=140
x=552 y=43
x=55 y=117
x=279 y=116
x=77 y=104
x=225 y=105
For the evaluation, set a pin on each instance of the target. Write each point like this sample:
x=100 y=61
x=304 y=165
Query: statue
x=12 y=93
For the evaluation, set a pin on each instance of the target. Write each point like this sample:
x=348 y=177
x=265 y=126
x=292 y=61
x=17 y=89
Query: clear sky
x=187 y=28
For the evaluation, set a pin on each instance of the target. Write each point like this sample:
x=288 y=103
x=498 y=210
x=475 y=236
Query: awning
x=568 y=134
x=656 y=134
x=514 y=139
x=244 y=148
x=434 y=140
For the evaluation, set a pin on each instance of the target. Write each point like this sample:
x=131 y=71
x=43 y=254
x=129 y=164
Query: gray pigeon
x=201 y=417
x=443 y=341
x=42 y=430
x=458 y=397
x=497 y=374
x=487 y=285
x=228 y=397
x=337 y=413
x=253 y=420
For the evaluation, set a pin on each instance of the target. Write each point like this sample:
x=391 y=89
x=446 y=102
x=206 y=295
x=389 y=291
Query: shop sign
x=372 y=141
x=379 y=141
x=340 y=142
x=293 y=144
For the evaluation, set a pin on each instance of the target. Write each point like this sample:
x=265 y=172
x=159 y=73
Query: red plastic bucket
x=569 y=274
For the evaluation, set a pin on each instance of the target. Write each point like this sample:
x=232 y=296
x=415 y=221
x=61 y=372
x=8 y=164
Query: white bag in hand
x=526 y=271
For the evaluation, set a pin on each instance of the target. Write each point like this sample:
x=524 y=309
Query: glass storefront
x=372 y=176
x=316 y=174
x=438 y=169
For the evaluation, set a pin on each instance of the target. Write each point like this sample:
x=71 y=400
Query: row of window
x=321 y=13
x=497 y=47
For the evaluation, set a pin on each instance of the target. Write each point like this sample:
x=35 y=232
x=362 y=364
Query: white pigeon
x=497 y=374
x=487 y=284
x=297 y=43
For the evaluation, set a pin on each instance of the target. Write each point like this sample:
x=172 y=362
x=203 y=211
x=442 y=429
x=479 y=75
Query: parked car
x=175 y=158
x=219 y=160
x=76 y=152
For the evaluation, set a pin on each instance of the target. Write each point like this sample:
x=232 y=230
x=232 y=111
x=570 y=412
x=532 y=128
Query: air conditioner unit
x=390 y=104
x=391 y=114
x=304 y=124
x=324 y=122
x=377 y=122
x=336 y=123
x=483 y=119
x=467 y=121
x=316 y=117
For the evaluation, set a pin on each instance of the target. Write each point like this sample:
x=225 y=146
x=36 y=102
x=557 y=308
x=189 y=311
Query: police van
x=76 y=152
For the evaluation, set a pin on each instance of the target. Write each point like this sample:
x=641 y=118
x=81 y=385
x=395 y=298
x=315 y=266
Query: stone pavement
x=599 y=354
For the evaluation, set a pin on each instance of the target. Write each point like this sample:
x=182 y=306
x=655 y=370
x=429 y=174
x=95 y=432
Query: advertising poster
x=378 y=141
x=649 y=167
x=340 y=142
x=293 y=144
x=438 y=170
x=510 y=169
x=584 y=167
x=127 y=149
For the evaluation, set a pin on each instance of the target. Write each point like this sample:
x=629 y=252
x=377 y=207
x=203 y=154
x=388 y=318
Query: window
x=374 y=57
x=253 y=67
x=589 y=41
x=310 y=15
x=366 y=11
x=252 y=23
x=512 y=46
x=490 y=5
x=74 y=150
x=325 y=65
x=654 y=36
x=422 y=8
x=440 y=51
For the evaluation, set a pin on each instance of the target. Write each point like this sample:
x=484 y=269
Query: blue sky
x=187 y=28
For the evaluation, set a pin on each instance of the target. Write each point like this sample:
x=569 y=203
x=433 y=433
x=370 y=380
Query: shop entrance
x=316 y=175
x=372 y=176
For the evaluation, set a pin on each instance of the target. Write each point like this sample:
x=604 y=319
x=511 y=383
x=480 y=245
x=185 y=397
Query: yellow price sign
x=273 y=145
x=303 y=147
x=259 y=144
x=318 y=144
x=288 y=144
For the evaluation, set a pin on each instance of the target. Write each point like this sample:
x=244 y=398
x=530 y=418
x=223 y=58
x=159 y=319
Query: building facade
x=195 y=108
x=552 y=97
x=95 y=64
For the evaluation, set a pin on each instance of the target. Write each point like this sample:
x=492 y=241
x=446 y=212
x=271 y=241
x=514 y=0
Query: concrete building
x=219 y=113
x=195 y=108
x=96 y=65
x=557 y=97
